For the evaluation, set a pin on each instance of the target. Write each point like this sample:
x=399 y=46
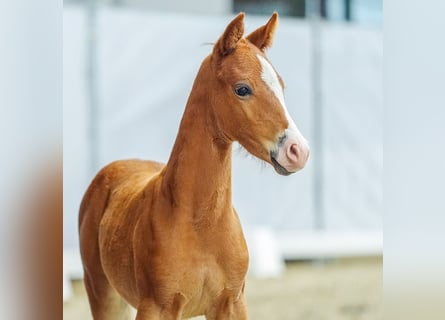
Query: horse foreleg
x=149 y=310
x=229 y=308
x=105 y=302
x=240 y=308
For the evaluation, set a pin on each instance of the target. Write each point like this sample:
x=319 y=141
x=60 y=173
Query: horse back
x=109 y=179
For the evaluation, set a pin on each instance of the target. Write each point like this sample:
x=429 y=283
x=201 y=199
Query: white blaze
x=270 y=77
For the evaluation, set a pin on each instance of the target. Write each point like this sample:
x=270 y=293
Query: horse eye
x=243 y=91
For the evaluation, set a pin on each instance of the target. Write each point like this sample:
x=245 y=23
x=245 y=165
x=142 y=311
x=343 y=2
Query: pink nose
x=292 y=156
x=297 y=156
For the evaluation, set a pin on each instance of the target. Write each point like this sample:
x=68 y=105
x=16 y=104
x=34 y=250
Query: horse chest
x=199 y=265
x=207 y=280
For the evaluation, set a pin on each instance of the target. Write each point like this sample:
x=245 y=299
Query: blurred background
x=315 y=237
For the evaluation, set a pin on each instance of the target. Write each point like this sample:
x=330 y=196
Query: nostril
x=293 y=152
x=294 y=149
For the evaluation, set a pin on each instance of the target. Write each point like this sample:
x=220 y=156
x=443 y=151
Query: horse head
x=249 y=104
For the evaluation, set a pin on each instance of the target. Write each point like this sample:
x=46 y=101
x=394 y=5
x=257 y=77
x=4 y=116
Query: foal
x=165 y=239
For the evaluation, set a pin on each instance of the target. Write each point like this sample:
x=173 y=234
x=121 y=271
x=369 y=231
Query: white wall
x=181 y=6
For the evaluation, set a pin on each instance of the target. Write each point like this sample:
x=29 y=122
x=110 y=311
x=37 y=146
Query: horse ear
x=229 y=39
x=263 y=36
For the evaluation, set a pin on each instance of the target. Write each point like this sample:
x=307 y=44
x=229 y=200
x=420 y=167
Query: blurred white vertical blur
x=30 y=126
x=414 y=78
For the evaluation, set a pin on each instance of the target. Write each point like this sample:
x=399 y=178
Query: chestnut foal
x=165 y=239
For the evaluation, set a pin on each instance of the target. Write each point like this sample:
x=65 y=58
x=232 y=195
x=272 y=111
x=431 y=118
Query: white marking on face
x=270 y=77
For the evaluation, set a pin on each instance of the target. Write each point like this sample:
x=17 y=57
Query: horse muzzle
x=291 y=154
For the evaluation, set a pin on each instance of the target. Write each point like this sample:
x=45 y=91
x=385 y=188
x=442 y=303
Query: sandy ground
x=338 y=289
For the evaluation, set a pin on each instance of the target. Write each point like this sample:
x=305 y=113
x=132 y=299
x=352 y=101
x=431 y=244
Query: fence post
x=317 y=158
x=91 y=82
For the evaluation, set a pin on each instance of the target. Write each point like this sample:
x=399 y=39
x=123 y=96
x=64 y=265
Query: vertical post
x=322 y=9
x=91 y=83
x=317 y=107
x=116 y=2
x=348 y=16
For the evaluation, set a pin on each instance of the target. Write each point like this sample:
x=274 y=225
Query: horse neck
x=197 y=177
